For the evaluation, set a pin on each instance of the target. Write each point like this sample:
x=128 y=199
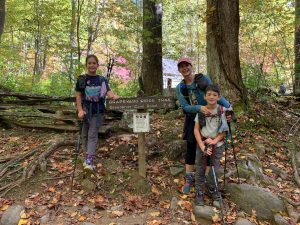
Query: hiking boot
x=213 y=193
x=216 y=196
x=188 y=183
x=199 y=198
x=217 y=204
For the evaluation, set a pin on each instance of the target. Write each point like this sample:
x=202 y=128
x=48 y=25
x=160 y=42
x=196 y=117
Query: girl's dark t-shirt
x=93 y=95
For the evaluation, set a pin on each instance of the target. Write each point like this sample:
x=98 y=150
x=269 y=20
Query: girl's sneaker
x=88 y=167
x=88 y=164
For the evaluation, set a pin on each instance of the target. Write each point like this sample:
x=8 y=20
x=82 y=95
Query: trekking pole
x=234 y=154
x=77 y=151
x=225 y=163
x=231 y=113
x=109 y=67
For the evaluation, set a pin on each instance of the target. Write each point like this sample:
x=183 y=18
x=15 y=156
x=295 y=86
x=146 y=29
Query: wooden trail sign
x=141 y=103
x=141 y=119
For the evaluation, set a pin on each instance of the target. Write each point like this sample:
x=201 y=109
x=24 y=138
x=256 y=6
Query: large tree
x=152 y=81
x=2 y=16
x=297 y=48
x=223 y=63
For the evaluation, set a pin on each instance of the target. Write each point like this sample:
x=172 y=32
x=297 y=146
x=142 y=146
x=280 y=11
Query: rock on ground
x=279 y=220
x=87 y=223
x=242 y=221
x=12 y=215
x=176 y=149
x=204 y=212
x=249 y=197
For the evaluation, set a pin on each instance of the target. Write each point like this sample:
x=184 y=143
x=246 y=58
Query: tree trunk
x=152 y=82
x=73 y=44
x=2 y=17
x=79 y=7
x=93 y=25
x=297 y=48
x=37 y=45
x=223 y=63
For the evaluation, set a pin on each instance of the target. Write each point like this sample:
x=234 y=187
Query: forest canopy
x=44 y=43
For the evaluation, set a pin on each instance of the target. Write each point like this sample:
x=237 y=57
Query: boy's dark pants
x=201 y=163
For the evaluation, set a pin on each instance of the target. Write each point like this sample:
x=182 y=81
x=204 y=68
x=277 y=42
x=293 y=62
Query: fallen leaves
x=4 y=207
x=186 y=205
x=100 y=202
x=23 y=218
x=117 y=213
x=157 y=222
x=268 y=170
x=155 y=214
x=52 y=189
x=82 y=218
x=161 y=212
x=215 y=218
x=165 y=204
x=155 y=190
x=252 y=150
x=193 y=218
x=13 y=139
x=74 y=214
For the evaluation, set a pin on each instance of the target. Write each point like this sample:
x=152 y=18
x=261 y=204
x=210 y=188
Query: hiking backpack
x=202 y=117
x=201 y=83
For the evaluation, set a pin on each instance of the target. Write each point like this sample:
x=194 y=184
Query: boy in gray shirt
x=209 y=132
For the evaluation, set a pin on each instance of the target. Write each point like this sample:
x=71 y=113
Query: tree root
x=291 y=130
x=230 y=173
x=11 y=173
x=296 y=174
x=292 y=214
x=11 y=186
x=42 y=158
x=289 y=201
x=29 y=170
x=5 y=167
x=57 y=178
x=6 y=158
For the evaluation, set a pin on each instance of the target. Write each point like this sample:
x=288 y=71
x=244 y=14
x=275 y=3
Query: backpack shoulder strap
x=201 y=119
x=82 y=81
x=220 y=110
x=102 y=78
x=201 y=81
x=183 y=88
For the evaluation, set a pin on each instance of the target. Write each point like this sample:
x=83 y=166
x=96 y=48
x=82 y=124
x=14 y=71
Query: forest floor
x=120 y=196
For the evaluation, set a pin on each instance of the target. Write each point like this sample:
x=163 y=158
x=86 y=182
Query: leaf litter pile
x=36 y=168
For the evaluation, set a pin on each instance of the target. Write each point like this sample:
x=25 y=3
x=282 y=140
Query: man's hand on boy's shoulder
x=205 y=110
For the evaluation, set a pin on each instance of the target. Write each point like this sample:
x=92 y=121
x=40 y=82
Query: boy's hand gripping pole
x=77 y=151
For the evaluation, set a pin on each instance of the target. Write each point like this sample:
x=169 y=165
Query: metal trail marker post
x=141 y=119
x=141 y=124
